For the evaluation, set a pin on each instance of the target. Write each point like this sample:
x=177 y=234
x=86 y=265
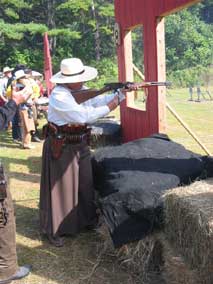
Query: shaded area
x=32 y=163
x=84 y=258
x=30 y=216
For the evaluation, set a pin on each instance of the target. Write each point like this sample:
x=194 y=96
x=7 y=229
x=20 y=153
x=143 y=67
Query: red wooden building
x=137 y=123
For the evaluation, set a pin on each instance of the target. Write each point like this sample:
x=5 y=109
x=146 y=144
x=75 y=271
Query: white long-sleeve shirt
x=3 y=85
x=64 y=109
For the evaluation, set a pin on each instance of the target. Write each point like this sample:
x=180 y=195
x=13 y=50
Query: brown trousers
x=8 y=257
x=27 y=125
x=67 y=193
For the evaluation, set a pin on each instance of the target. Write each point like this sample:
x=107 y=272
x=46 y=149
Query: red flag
x=47 y=64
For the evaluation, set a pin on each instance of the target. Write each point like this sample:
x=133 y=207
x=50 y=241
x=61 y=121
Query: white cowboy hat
x=19 y=74
x=7 y=69
x=73 y=71
x=36 y=74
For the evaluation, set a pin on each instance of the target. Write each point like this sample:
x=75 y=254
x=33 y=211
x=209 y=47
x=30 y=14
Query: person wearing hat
x=34 y=97
x=25 y=110
x=7 y=74
x=66 y=189
x=9 y=269
x=38 y=77
x=3 y=84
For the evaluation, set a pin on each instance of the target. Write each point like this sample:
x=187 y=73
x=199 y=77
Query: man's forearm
x=84 y=95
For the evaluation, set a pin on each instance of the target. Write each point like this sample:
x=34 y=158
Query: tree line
x=84 y=29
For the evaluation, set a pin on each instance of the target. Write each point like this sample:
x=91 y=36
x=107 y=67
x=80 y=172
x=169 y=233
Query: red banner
x=47 y=64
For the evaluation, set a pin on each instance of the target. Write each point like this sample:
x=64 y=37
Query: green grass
x=198 y=117
x=84 y=259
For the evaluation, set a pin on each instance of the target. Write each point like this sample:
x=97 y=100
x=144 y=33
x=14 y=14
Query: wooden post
x=161 y=69
x=129 y=14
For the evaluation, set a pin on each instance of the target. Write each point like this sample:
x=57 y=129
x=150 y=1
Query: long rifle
x=114 y=86
x=131 y=85
x=83 y=95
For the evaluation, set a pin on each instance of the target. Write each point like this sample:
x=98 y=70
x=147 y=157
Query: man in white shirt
x=67 y=193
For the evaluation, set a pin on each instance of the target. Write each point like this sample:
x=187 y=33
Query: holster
x=3 y=184
x=57 y=143
x=61 y=135
x=45 y=131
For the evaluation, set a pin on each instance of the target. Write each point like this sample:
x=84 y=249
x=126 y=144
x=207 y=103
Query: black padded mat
x=132 y=178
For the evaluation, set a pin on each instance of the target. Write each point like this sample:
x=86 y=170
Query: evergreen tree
x=84 y=28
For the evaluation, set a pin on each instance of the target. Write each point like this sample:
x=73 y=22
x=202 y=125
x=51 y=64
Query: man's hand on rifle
x=129 y=87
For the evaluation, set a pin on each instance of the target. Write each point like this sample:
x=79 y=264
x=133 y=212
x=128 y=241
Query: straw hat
x=7 y=69
x=73 y=71
x=19 y=74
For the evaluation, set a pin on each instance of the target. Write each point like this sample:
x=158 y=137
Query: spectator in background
x=3 y=86
x=34 y=97
x=16 y=122
x=7 y=73
x=38 y=77
x=17 y=67
x=26 y=113
x=16 y=128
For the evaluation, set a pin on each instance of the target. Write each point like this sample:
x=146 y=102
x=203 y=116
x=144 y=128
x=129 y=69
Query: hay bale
x=175 y=270
x=151 y=260
x=189 y=226
x=143 y=259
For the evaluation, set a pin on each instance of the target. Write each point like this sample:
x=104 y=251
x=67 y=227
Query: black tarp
x=132 y=178
x=105 y=132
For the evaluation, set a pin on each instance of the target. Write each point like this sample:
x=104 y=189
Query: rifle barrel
x=120 y=85
x=166 y=83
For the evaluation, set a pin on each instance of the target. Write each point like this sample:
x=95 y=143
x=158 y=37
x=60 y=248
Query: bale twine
x=189 y=226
